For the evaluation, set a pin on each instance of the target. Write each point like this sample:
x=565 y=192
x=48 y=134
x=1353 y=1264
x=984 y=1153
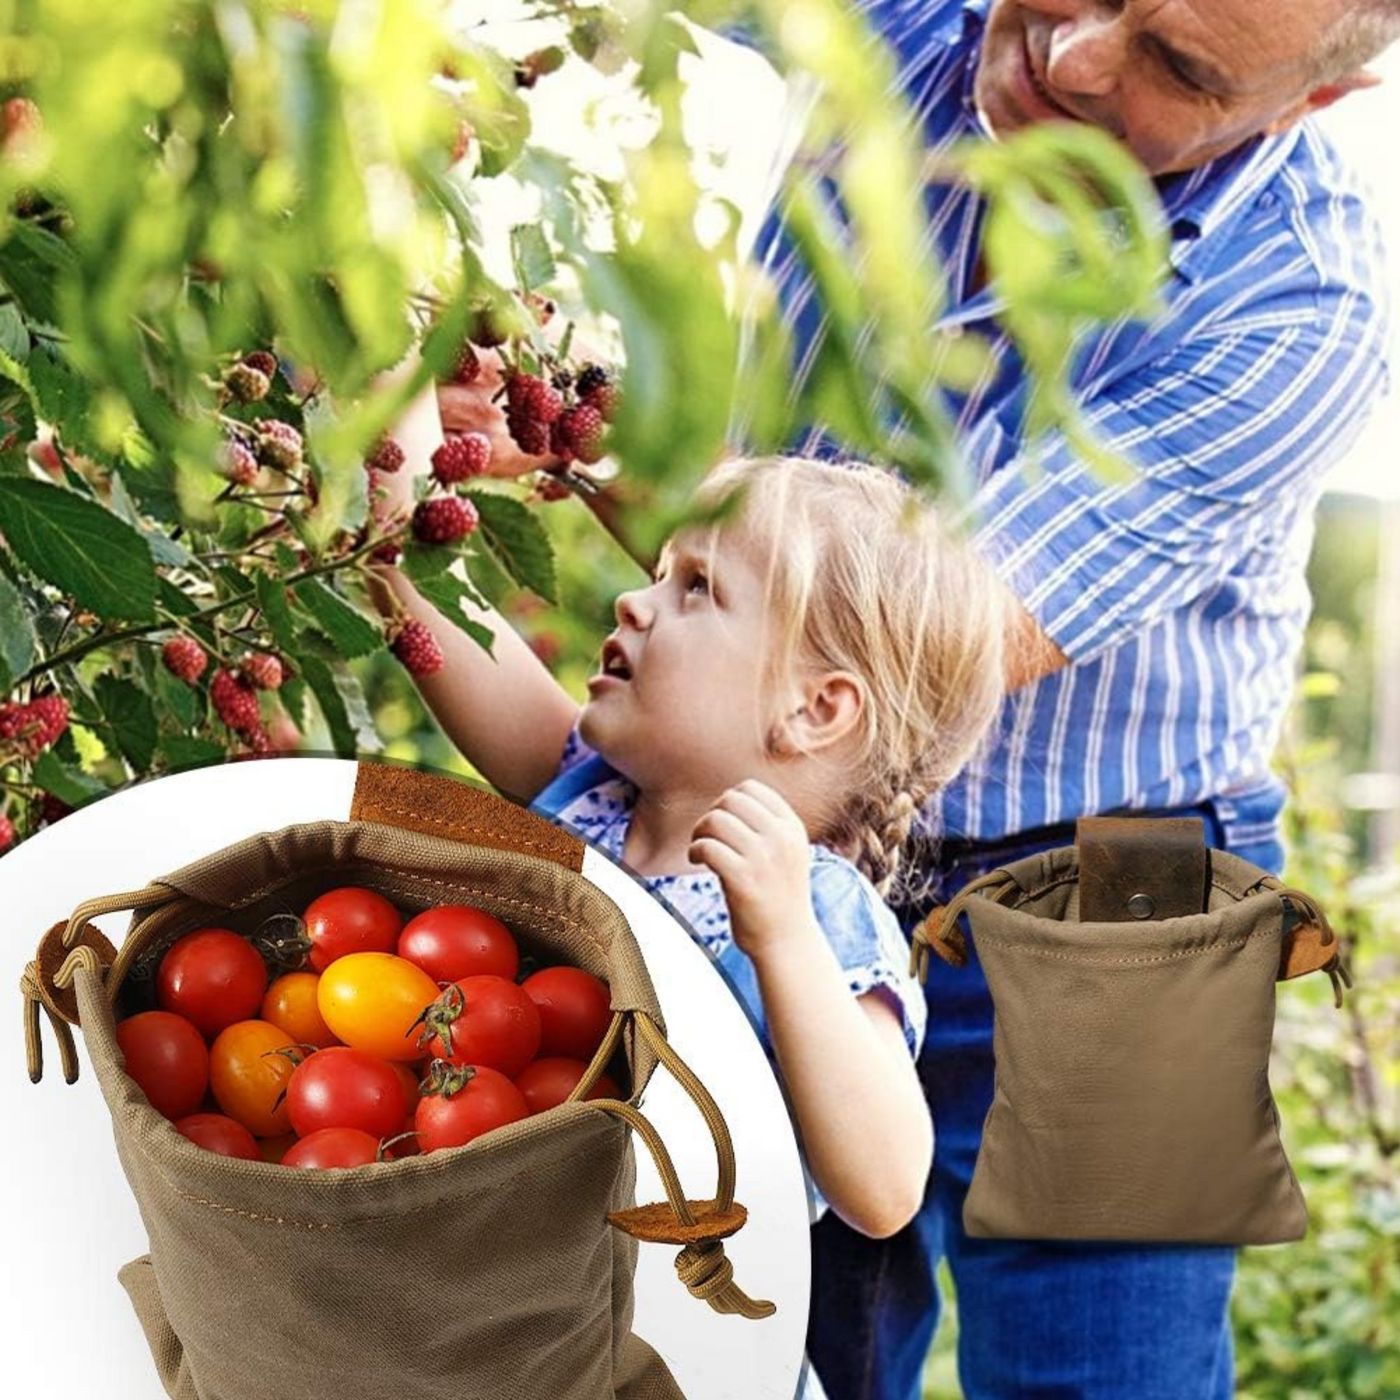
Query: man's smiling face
x=1177 y=81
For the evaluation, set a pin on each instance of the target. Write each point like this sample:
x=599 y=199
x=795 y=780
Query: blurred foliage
x=188 y=183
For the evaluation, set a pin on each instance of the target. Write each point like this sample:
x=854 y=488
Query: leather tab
x=1307 y=947
x=1138 y=868
x=434 y=805
x=657 y=1224
x=53 y=953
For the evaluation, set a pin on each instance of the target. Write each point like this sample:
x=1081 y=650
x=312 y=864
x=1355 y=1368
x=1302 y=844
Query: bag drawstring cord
x=938 y=930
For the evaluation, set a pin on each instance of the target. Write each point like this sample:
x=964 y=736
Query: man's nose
x=634 y=609
x=1087 y=54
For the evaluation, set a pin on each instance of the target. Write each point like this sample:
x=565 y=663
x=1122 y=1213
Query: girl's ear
x=828 y=708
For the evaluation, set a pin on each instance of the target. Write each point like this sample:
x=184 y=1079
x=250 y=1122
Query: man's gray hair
x=1366 y=29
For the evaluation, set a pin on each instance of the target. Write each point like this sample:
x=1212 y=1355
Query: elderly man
x=1162 y=618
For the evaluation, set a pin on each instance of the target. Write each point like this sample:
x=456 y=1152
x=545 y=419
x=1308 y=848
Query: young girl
x=767 y=717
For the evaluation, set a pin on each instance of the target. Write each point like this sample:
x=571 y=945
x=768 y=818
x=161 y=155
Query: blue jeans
x=1037 y=1320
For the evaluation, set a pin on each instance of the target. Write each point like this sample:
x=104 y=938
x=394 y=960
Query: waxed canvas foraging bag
x=1133 y=977
x=503 y=1268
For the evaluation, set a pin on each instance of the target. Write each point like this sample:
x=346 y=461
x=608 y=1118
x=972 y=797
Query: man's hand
x=471 y=408
x=757 y=845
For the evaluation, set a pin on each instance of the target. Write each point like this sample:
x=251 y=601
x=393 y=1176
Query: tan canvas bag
x=1132 y=978
x=500 y=1269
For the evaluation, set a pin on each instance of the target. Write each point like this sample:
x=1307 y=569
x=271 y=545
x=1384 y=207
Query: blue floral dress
x=593 y=798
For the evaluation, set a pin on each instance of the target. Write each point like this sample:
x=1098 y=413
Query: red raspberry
x=388 y=553
x=52 y=809
x=259 y=741
x=606 y=399
x=529 y=395
x=240 y=466
x=531 y=436
x=279 y=444
x=7 y=833
x=462 y=457
x=235 y=702
x=582 y=428
x=246 y=383
x=262 y=671
x=443 y=519
x=185 y=658
x=264 y=361
x=418 y=650
x=468 y=365
x=49 y=713
x=385 y=456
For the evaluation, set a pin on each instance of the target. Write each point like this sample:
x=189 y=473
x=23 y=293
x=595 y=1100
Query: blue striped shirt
x=1180 y=596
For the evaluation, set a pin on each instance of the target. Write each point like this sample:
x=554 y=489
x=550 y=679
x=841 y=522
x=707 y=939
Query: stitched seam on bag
x=455 y=826
x=1028 y=895
x=551 y=916
x=1110 y=962
x=283 y=1220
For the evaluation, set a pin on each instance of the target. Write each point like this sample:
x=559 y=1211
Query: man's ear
x=1320 y=98
x=828 y=708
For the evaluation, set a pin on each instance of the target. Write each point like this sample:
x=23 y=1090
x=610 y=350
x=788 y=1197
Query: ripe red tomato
x=212 y=978
x=350 y=920
x=472 y=1100
x=548 y=1081
x=484 y=1021
x=248 y=1076
x=333 y=1147
x=215 y=1133
x=373 y=1001
x=345 y=1088
x=454 y=941
x=167 y=1057
x=291 y=1003
x=575 y=1010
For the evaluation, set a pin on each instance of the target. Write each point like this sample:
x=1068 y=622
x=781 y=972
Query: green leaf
x=79 y=547
x=343 y=704
x=517 y=541
x=164 y=550
x=14 y=334
x=67 y=783
x=182 y=751
x=185 y=703
x=17 y=639
x=64 y=398
x=128 y=709
x=349 y=630
x=277 y=611
x=32 y=261
x=531 y=256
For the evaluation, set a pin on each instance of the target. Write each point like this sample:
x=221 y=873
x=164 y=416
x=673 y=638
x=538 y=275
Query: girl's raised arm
x=503 y=710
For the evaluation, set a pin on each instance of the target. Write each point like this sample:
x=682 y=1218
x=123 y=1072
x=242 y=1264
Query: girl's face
x=679 y=701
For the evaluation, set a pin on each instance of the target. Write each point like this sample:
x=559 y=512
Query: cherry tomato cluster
x=393 y=1037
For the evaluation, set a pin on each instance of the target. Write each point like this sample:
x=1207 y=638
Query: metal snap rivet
x=1140 y=906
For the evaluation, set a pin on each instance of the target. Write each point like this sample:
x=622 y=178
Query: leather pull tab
x=1137 y=868
x=435 y=805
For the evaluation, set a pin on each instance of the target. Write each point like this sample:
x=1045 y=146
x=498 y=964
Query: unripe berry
x=184 y=658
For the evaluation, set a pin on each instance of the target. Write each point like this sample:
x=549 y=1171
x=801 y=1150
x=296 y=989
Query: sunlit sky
x=735 y=119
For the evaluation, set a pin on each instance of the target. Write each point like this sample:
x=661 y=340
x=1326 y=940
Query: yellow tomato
x=373 y=1000
x=247 y=1076
x=291 y=1003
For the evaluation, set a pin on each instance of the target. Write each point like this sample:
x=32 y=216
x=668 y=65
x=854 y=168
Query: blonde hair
x=864 y=577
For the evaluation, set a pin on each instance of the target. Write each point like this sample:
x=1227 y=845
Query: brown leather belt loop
x=1136 y=868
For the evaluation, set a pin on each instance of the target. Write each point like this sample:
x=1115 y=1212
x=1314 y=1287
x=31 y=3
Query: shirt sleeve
x=1228 y=435
x=866 y=938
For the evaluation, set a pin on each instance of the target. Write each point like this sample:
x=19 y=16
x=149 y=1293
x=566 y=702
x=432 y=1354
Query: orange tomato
x=373 y=1000
x=247 y=1077
x=291 y=1004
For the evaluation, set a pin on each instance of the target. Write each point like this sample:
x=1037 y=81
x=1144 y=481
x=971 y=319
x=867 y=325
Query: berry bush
x=236 y=239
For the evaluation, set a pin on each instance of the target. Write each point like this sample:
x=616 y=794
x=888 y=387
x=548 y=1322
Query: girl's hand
x=757 y=845
x=473 y=408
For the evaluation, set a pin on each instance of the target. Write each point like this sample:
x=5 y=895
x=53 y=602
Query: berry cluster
x=28 y=729
x=567 y=419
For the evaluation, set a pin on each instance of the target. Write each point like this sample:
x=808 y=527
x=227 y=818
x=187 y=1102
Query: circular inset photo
x=380 y=1083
